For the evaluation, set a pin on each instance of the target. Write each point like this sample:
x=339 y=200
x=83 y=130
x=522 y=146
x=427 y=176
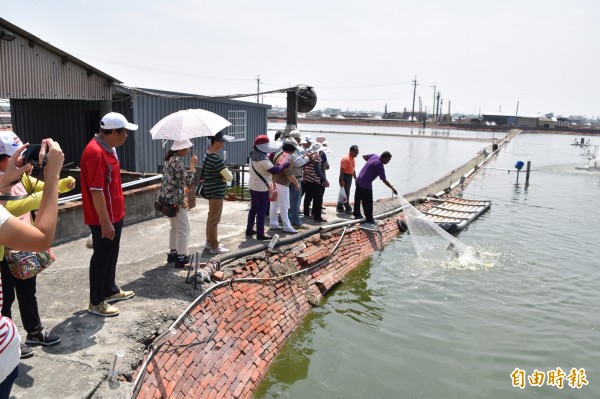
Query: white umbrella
x=187 y=124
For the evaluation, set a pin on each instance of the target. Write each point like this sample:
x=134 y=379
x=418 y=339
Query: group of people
x=296 y=166
x=293 y=165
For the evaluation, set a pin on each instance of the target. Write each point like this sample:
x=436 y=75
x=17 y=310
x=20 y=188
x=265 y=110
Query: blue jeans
x=295 y=201
x=6 y=385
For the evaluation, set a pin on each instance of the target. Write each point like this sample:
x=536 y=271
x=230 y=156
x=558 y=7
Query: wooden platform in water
x=454 y=214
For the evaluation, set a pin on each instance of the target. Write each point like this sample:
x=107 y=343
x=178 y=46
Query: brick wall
x=225 y=346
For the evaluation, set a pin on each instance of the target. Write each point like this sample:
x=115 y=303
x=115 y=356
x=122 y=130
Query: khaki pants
x=215 y=209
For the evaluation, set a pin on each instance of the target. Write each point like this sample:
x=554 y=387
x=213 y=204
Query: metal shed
x=53 y=94
x=149 y=106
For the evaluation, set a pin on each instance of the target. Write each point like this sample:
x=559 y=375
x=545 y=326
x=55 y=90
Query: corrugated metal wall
x=148 y=110
x=71 y=123
x=34 y=72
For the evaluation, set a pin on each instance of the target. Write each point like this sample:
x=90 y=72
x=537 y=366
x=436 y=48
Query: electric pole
x=437 y=106
x=433 y=108
x=257 y=88
x=412 y=117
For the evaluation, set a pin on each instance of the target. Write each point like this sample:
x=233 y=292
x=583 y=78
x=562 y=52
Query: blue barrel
x=519 y=165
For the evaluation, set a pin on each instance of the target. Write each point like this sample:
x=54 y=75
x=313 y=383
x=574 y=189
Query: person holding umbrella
x=172 y=191
x=216 y=176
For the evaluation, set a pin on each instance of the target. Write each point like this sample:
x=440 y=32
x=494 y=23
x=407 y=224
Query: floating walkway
x=454 y=214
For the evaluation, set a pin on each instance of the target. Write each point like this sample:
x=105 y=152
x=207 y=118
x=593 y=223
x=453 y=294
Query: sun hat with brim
x=316 y=147
x=114 y=120
x=263 y=144
x=291 y=142
x=308 y=139
x=9 y=143
x=322 y=140
x=181 y=145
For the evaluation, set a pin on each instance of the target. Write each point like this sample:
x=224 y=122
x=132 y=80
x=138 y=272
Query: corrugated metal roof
x=36 y=40
x=33 y=69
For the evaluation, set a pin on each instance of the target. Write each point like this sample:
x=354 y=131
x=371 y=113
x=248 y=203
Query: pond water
x=403 y=327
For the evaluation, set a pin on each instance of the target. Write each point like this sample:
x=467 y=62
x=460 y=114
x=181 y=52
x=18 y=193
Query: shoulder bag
x=271 y=186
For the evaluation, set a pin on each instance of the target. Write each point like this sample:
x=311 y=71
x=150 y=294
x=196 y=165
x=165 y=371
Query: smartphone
x=32 y=154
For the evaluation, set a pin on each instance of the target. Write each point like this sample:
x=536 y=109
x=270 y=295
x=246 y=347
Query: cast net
x=430 y=240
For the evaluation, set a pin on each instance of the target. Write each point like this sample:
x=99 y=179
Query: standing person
x=282 y=181
x=314 y=180
x=104 y=210
x=172 y=191
x=25 y=290
x=364 y=184
x=216 y=176
x=347 y=173
x=21 y=236
x=299 y=159
x=261 y=171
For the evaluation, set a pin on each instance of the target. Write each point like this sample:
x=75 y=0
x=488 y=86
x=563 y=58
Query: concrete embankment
x=226 y=340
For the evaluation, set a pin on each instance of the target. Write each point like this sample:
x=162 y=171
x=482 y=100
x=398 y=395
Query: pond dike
x=216 y=340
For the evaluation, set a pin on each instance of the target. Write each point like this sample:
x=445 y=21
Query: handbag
x=271 y=186
x=25 y=264
x=169 y=210
x=190 y=196
x=272 y=192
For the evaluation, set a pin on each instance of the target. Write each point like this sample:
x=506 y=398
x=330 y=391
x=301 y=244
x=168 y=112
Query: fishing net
x=430 y=240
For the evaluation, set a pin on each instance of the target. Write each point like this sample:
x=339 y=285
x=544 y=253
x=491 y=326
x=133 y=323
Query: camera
x=32 y=154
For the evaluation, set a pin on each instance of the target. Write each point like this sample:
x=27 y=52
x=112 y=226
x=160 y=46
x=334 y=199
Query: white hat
x=316 y=147
x=263 y=144
x=307 y=138
x=322 y=140
x=181 y=145
x=9 y=143
x=114 y=120
x=295 y=134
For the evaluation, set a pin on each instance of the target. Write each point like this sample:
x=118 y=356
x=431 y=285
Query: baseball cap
x=9 y=143
x=114 y=120
x=181 y=145
x=222 y=137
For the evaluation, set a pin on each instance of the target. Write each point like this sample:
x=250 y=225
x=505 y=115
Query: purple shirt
x=369 y=172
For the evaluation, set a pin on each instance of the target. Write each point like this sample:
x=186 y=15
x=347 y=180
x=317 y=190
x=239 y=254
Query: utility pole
x=516 y=116
x=433 y=108
x=257 y=88
x=412 y=117
x=437 y=106
x=449 y=114
x=441 y=109
x=420 y=108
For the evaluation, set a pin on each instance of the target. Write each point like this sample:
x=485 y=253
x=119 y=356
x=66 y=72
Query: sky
x=483 y=56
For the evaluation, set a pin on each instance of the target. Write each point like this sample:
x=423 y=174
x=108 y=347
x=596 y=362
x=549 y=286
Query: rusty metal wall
x=28 y=72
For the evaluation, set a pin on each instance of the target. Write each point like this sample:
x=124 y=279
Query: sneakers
x=103 y=309
x=321 y=220
x=275 y=227
x=171 y=257
x=181 y=261
x=41 y=338
x=219 y=250
x=120 y=296
x=26 y=351
x=207 y=245
x=299 y=227
x=293 y=231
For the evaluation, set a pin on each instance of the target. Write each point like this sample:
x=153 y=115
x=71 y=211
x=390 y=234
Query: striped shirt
x=214 y=184
x=10 y=340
